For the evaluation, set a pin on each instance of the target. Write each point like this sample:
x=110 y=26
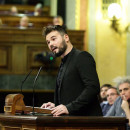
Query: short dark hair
x=106 y=85
x=50 y=28
x=115 y=89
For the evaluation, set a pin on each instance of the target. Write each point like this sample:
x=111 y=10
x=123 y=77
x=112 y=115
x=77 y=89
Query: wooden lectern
x=14 y=104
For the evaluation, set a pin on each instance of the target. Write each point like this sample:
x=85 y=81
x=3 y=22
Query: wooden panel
x=11 y=128
x=5 y=58
x=19 y=58
x=19 y=47
x=29 y=127
x=77 y=39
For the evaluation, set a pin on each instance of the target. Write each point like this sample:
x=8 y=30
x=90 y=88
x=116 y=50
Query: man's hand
x=59 y=110
x=125 y=104
x=125 y=107
x=48 y=105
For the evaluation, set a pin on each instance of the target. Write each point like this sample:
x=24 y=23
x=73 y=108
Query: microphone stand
x=34 y=87
x=25 y=80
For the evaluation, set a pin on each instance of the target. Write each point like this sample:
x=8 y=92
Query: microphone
x=34 y=86
x=25 y=80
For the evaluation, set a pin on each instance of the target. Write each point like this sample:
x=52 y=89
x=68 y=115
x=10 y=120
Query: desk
x=61 y=123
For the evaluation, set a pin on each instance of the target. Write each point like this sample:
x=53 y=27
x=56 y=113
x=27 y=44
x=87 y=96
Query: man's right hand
x=48 y=105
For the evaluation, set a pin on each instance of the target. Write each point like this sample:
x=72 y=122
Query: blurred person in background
x=58 y=20
x=38 y=10
x=24 y=22
x=103 y=91
x=112 y=95
x=13 y=10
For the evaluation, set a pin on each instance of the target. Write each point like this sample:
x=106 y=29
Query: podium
x=41 y=122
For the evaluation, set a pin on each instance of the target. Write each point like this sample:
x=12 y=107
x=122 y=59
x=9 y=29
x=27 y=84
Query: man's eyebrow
x=53 y=37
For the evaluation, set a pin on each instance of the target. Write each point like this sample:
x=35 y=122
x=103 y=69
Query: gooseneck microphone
x=34 y=86
x=25 y=80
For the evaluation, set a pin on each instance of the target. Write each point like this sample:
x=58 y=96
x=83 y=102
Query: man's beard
x=104 y=98
x=61 y=49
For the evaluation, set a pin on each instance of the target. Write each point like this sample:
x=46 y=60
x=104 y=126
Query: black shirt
x=58 y=81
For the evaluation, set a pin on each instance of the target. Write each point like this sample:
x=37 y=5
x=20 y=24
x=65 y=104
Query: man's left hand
x=59 y=110
x=125 y=104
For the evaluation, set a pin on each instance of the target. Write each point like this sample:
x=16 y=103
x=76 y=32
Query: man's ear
x=66 y=37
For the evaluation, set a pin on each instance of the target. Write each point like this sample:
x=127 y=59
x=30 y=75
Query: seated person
x=24 y=22
x=13 y=10
x=103 y=96
x=118 y=109
x=38 y=10
x=112 y=95
x=58 y=20
x=126 y=108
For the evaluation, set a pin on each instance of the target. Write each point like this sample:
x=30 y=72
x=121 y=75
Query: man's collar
x=65 y=57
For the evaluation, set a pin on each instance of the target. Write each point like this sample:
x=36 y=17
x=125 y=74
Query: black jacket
x=79 y=88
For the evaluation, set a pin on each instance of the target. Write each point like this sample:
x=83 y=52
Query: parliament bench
x=25 y=9
x=35 y=21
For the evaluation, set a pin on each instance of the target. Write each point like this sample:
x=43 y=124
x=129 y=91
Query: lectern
x=11 y=121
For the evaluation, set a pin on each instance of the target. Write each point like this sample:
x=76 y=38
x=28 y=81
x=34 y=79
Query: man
x=103 y=91
x=103 y=96
x=58 y=20
x=24 y=22
x=112 y=95
x=77 y=84
x=13 y=10
x=38 y=10
x=118 y=108
x=125 y=106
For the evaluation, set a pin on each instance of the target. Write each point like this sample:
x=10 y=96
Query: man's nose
x=50 y=45
x=122 y=92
